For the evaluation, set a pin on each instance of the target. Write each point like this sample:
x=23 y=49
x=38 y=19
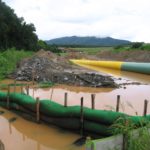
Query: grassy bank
x=9 y=60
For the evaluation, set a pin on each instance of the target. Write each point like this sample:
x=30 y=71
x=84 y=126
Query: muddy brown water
x=22 y=134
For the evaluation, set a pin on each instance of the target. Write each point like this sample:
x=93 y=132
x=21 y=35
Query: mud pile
x=46 y=66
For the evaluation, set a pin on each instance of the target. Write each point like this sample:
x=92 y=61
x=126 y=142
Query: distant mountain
x=87 y=41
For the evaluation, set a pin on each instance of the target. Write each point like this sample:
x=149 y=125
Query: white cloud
x=126 y=19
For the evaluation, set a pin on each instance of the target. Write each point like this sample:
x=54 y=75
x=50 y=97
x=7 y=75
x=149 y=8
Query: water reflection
x=23 y=135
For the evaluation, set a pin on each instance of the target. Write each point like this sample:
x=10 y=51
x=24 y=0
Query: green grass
x=145 y=47
x=45 y=84
x=9 y=60
x=116 y=49
x=92 y=50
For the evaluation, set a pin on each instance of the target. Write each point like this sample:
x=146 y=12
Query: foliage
x=135 y=139
x=9 y=60
x=136 y=44
x=14 y=31
x=145 y=47
x=45 y=84
x=53 y=48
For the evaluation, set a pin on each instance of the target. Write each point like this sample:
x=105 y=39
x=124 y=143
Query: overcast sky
x=125 y=19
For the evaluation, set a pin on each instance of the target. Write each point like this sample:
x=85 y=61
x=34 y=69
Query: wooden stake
x=93 y=100
x=125 y=144
x=15 y=86
x=65 y=100
x=33 y=76
x=27 y=89
x=8 y=93
x=118 y=103
x=82 y=117
x=51 y=93
x=37 y=109
x=145 y=107
x=21 y=89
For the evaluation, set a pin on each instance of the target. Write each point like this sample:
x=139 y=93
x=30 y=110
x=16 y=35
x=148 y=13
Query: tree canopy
x=14 y=31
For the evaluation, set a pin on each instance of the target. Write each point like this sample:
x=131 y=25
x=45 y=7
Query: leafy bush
x=146 y=47
x=137 y=45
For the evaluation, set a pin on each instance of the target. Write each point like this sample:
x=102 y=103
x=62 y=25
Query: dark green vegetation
x=87 y=41
x=9 y=60
x=53 y=48
x=132 y=46
x=14 y=31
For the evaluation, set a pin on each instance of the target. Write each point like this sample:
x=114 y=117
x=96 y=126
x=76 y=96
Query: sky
x=121 y=19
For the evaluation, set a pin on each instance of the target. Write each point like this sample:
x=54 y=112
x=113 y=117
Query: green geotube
x=136 y=67
x=95 y=121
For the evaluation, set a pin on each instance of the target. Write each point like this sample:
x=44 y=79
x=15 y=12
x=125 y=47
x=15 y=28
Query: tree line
x=14 y=31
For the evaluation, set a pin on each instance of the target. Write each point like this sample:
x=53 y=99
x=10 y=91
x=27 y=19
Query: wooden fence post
x=21 y=89
x=125 y=139
x=8 y=94
x=33 y=76
x=93 y=100
x=65 y=100
x=81 y=117
x=15 y=86
x=27 y=88
x=37 y=109
x=145 y=107
x=118 y=103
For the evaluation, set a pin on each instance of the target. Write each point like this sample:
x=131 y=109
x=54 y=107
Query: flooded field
x=22 y=134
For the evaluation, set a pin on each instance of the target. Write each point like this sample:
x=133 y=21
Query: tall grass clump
x=134 y=139
x=9 y=60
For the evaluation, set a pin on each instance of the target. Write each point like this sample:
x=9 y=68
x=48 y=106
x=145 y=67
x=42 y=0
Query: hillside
x=87 y=41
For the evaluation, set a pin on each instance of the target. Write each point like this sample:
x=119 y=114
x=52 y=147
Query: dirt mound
x=46 y=66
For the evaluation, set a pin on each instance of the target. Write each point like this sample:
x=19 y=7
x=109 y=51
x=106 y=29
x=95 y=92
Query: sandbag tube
x=97 y=122
x=125 y=66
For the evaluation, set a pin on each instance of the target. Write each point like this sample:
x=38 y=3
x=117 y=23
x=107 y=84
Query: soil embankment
x=128 y=56
x=46 y=66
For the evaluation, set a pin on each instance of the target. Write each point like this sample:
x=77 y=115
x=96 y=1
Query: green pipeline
x=124 y=66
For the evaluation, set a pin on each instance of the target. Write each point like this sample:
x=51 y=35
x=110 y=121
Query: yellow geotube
x=105 y=64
